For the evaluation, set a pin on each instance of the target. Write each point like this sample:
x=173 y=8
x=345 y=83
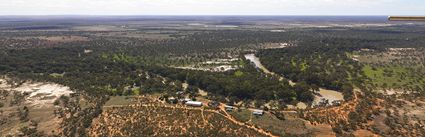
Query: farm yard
x=159 y=119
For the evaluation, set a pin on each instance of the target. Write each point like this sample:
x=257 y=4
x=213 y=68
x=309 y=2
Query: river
x=330 y=95
x=254 y=59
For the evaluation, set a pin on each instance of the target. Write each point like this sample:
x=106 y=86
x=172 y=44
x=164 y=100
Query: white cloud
x=212 y=7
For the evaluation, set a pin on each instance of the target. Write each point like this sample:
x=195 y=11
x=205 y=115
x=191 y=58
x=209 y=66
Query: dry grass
x=38 y=97
x=162 y=121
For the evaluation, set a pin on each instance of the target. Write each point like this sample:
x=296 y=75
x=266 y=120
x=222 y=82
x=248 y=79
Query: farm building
x=228 y=108
x=185 y=100
x=194 y=103
x=258 y=112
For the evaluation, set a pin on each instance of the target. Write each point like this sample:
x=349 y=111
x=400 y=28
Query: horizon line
x=190 y=15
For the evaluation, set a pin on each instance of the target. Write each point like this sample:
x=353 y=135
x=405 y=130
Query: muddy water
x=254 y=59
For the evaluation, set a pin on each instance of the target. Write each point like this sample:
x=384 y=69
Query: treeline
x=100 y=74
x=319 y=59
x=70 y=66
x=318 y=66
x=246 y=83
x=322 y=59
x=322 y=66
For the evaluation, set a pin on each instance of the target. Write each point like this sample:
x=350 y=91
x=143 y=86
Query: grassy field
x=243 y=115
x=399 y=69
x=291 y=126
x=394 y=76
x=270 y=123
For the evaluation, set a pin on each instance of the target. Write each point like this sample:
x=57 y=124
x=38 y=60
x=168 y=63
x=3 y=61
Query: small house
x=194 y=103
x=258 y=112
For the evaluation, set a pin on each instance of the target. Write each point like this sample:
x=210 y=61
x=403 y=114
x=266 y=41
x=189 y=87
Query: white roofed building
x=194 y=103
x=258 y=112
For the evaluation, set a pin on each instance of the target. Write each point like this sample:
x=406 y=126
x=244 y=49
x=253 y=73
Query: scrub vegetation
x=125 y=77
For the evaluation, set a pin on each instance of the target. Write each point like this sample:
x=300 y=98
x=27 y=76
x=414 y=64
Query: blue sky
x=212 y=7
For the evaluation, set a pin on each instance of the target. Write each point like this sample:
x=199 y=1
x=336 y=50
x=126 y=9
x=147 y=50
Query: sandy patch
x=221 y=68
x=3 y=84
x=300 y=105
x=277 y=45
x=364 y=133
x=329 y=95
x=221 y=61
x=394 y=92
x=202 y=92
x=40 y=94
x=400 y=49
